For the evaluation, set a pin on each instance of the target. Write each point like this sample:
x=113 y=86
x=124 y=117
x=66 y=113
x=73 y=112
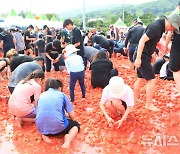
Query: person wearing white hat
x=118 y=98
x=75 y=67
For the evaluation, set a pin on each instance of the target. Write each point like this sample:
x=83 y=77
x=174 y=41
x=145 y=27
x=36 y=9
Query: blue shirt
x=74 y=63
x=51 y=118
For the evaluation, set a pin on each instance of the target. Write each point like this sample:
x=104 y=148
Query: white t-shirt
x=128 y=96
x=163 y=72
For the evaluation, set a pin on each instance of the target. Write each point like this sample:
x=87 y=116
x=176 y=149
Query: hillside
x=146 y=11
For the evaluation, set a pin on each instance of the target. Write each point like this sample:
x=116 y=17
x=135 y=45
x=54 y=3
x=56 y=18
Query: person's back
x=159 y=29
x=23 y=71
x=74 y=63
x=20 y=102
x=101 y=67
x=19 y=59
x=90 y=52
x=135 y=34
x=8 y=41
x=102 y=41
x=19 y=42
x=51 y=109
x=41 y=45
x=51 y=119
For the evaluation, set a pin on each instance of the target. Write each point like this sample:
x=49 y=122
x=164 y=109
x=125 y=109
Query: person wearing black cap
x=53 y=53
x=28 y=40
x=146 y=47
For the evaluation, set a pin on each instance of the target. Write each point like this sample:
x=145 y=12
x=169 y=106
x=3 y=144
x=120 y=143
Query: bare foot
x=46 y=139
x=66 y=142
x=83 y=99
x=152 y=107
x=17 y=122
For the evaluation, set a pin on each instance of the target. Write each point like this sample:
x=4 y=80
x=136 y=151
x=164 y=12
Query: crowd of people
x=28 y=56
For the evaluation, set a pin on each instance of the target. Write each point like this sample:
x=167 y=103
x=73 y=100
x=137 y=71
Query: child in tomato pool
x=51 y=116
x=118 y=98
x=75 y=67
x=25 y=92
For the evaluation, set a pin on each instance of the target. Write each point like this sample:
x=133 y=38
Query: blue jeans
x=74 y=76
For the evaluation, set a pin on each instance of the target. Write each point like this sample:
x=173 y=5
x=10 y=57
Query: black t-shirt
x=154 y=31
x=101 y=40
x=75 y=38
x=49 y=39
x=19 y=59
x=134 y=35
x=175 y=44
x=8 y=40
x=27 y=33
x=41 y=45
x=101 y=67
x=54 y=53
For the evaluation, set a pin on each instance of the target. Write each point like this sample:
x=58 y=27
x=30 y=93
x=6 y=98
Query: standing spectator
x=53 y=53
x=76 y=37
x=75 y=67
x=133 y=37
x=53 y=32
x=40 y=44
x=19 y=46
x=28 y=40
x=48 y=34
x=146 y=48
x=51 y=118
x=8 y=40
x=20 y=106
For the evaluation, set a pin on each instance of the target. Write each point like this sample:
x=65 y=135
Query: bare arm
x=103 y=110
x=124 y=117
x=109 y=119
x=47 y=55
x=168 y=39
x=77 y=44
x=72 y=115
x=128 y=110
x=141 y=45
x=2 y=64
